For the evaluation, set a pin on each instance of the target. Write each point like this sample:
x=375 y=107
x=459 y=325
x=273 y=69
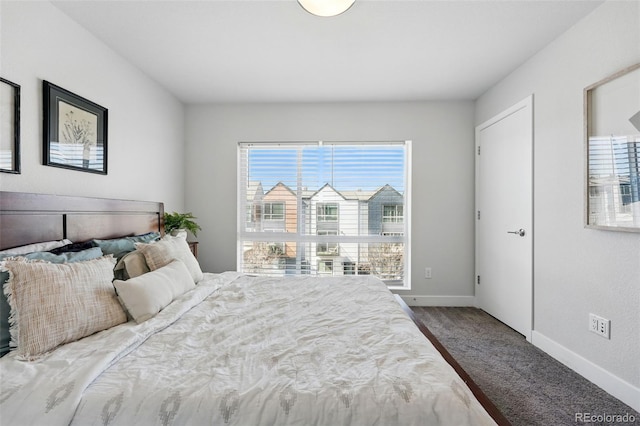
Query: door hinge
x=478 y=214
x=478 y=279
x=478 y=149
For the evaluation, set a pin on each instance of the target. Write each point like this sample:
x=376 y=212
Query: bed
x=227 y=349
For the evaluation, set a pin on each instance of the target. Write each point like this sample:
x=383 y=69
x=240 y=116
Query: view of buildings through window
x=614 y=180
x=324 y=208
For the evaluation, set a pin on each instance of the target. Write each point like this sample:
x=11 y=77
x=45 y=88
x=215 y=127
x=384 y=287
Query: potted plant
x=173 y=222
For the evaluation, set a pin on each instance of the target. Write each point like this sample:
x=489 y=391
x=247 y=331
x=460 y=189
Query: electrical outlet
x=427 y=273
x=600 y=326
x=593 y=323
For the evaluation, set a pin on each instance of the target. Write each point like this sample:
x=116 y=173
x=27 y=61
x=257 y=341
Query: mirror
x=612 y=129
x=9 y=127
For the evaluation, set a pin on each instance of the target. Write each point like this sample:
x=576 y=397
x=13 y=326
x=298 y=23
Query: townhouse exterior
x=325 y=231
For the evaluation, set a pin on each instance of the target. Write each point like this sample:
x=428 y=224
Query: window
x=273 y=211
x=327 y=249
x=327 y=224
x=332 y=208
x=327 y=213
x=325 y=267
x=393 y=214
x=250 y=208
x=349 y=268
x=626 y=196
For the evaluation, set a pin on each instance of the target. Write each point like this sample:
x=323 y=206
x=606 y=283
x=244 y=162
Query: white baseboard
x=624 y=391
x=439 y=300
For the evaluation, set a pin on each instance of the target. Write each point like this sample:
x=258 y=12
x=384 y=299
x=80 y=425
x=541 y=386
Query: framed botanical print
x=75 y=131
x=9 y=127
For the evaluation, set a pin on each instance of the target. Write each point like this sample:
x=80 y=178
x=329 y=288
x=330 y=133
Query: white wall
x=442 y=135
x=146 y=123
x=578 y=270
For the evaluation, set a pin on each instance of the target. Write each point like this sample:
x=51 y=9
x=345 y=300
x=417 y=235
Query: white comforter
x=242 y=350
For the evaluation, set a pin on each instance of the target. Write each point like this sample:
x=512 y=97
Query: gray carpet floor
x=528 y=386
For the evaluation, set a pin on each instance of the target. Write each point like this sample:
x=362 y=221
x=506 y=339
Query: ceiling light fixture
x=326 y=8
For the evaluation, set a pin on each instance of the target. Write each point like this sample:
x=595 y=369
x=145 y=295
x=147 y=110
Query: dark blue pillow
x=73 y=247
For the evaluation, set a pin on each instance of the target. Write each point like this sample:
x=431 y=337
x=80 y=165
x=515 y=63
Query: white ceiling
x=215 y=51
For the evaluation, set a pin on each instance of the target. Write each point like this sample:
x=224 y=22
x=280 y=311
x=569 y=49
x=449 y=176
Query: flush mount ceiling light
x=326 y=8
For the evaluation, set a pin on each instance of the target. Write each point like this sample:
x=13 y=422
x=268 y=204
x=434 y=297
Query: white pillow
x=161 y=253
x=30 y=248
x=146 y=295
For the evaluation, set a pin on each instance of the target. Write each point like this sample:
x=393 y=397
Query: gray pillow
x=5 y=310
x=121 y=246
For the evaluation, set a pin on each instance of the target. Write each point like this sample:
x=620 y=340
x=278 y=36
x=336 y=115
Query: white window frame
x=327 y=248
x=395 y=218
x=326 y=262
x=325 y=217
x=271 y=214
x=245 y=236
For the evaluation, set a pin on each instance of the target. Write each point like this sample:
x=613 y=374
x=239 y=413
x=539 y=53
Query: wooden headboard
x=27 y=218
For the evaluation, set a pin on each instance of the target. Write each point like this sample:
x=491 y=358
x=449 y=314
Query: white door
x=504 y=217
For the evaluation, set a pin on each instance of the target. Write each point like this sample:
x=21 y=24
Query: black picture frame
x=9 y=127
x=74 y=131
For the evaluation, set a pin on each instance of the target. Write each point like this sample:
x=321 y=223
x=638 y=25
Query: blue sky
x=345 y=167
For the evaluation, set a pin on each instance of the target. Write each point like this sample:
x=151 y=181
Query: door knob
x=518 y=232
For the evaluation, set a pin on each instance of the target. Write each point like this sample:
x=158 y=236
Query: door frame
x=525 y=103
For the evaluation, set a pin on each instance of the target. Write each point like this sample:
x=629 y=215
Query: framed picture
x=612 y=152
x=75 y=131
x=9 y=127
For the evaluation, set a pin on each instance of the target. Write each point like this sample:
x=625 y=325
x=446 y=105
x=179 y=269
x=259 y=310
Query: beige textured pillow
x=146 y=295
x=168 y=249
x=52 y=304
